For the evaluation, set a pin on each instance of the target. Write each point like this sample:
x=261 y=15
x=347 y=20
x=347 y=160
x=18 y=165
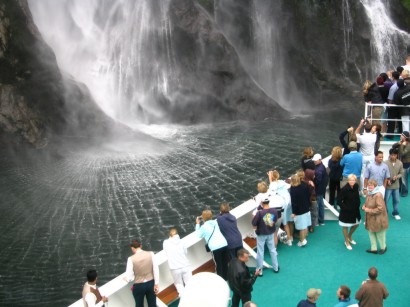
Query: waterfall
x=120 y=49
x=388 y=43
x=347 y=27
x=270 y=66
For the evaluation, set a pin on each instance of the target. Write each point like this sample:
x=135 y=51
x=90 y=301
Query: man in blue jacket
x=352 y=164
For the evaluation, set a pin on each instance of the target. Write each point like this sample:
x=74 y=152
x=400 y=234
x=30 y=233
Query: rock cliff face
x=222 y=69
x=326 y=48
x=36 y=101
x=213 y=82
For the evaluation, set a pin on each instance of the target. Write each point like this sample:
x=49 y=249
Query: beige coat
x=376 y=219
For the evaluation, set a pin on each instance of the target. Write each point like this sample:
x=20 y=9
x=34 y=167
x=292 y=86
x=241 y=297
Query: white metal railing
x=368 y=114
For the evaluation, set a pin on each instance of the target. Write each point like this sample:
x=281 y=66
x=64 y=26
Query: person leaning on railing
x=393 y=113
x=404 y=153
x=402 y=98
x=371 y=94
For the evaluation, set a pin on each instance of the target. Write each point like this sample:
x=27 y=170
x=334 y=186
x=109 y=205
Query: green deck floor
x=325 y=263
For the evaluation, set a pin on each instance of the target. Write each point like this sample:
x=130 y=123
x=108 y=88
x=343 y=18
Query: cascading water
x=388 y=41
x=264 y=55
x=347 y=28
x=120 y=49
x=268 y=53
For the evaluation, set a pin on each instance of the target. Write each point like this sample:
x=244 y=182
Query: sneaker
x=277 y=271
x=352 y=242
x=322 y=224
x=397 y=217
x=289 y=243
x=348 y=247
x=303 y=243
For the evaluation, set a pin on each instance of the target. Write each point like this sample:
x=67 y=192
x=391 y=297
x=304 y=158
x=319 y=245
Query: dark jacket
x=384 y=92
x=264 y=221
x=336 y=170
x=306 y=303
x=300 y=198
x=229 y=228
x=349 y=204
x=402 y=97
x=307 y=163
x=373 y=95
x=345 y=146
x=321 y=179
x=239 y=278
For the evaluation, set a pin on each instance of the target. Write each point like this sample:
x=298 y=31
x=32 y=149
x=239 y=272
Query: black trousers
x=244 y=297
x=221 y=258
x=393 y=113
x=334 y=190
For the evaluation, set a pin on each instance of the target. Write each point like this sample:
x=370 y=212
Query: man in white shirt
x=367 y=142
x=143 y=270
x=91 y=295
x=177 y=260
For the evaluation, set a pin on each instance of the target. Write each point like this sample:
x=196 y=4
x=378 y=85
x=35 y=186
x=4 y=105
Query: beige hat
x=312 y=293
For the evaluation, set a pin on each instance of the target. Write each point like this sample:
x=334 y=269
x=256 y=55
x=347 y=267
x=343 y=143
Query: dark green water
x=64 y=213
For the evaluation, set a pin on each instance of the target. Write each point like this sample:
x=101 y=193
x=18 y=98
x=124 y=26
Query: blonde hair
x=301 y=174
x=294 y=180
x=337 y=153
x=275 y=175
x=206 y=215
x=366 y=85
x=405 y=74
x=373 y=182
x=352 y=176
x=352 y=137
x=308 y=152
x=262 y=187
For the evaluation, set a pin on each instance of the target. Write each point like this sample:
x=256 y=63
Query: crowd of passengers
x=356 y=168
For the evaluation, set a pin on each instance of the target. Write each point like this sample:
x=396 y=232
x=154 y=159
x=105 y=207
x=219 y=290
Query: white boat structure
x=118 y=290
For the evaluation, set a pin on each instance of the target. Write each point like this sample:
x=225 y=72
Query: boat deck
x=325 y=263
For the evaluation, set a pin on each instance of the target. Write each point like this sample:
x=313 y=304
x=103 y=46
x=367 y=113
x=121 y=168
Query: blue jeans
x=396 y=200
x=261 y=240
x=321 y=208
x=144 y=289
x=404 y=188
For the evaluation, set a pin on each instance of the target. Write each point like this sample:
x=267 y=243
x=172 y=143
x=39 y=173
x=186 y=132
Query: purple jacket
x=229 y=228
x=321 y=179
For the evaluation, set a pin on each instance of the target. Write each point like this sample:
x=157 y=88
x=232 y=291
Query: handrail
x=368 y=114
